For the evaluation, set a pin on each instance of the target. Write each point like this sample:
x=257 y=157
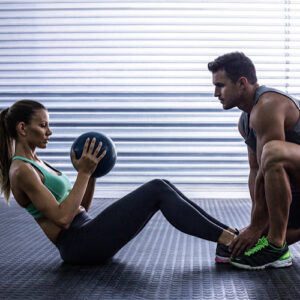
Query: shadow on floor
x=160 y=263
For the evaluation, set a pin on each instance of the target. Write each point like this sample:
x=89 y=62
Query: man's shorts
x=294 y=217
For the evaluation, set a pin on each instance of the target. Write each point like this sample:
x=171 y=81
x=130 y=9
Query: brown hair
x=20 y=111
x=236 y=65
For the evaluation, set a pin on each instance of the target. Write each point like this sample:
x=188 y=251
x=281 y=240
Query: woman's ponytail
x=6 y=150
x=20 y=111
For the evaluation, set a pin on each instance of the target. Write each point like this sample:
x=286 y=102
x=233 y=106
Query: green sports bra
x=59 y=185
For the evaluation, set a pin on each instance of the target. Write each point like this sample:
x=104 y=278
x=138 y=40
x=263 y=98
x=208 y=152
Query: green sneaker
x=262 y=255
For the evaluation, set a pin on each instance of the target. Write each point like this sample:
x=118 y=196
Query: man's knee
x=273 y=155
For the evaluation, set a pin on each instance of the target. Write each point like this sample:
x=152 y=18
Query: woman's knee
x=156 y=183
x=273 y=155
x=156 y=186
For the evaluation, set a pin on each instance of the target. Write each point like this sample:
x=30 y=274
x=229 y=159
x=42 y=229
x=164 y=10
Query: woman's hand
x=88 y=161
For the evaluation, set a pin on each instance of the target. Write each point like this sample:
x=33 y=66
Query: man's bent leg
x=277 y=160
x=293 y=230
x=292 y=235
x=280 y=164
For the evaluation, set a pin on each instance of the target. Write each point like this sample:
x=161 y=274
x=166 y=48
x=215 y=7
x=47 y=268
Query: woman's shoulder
x=21 y=172
x=19 y=167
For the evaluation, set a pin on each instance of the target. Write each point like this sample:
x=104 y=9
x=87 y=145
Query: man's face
x=227 y=91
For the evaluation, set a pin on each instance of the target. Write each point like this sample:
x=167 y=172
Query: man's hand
x=244 y=241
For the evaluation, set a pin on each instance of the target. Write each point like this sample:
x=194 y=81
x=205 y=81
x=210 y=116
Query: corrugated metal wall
x=137 y=71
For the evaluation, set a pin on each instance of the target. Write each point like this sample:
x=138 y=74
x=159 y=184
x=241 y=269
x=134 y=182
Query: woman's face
x=38 y=130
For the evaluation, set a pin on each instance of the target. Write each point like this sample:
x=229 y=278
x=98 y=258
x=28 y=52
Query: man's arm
x=252 y=164
x=259 y=211
x=252 y=174
x=250 y=235
x=267 y=119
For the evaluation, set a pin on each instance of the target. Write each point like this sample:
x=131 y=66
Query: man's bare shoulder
x=273 y=106
x=271 y=103
x=274 y=101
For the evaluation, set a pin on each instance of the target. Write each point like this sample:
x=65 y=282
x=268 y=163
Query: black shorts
x=294 y=217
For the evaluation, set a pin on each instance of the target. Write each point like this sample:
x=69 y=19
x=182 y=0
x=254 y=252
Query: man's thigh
x=289 y=155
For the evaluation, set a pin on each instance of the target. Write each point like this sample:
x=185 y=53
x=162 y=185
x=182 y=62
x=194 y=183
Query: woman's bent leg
x=202 y=211
x=107 y=233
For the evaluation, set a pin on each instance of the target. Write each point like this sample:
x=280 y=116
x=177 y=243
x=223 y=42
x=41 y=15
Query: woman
x=61 y=210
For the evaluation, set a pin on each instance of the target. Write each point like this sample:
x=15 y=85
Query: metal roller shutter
x=137 y=71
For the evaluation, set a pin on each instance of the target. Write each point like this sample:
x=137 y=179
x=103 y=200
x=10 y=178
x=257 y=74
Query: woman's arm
x=62 y=213
x=89 y=193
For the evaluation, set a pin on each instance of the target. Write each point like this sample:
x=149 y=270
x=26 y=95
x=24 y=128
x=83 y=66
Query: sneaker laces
x=262 y=242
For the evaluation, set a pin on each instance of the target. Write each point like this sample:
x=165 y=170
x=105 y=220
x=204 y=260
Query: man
x=270 y=125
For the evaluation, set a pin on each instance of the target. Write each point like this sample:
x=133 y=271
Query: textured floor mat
x=160 y=263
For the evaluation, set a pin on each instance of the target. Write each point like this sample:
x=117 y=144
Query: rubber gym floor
x=159 y=263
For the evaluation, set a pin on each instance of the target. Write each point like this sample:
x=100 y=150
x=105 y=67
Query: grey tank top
x=292 y=136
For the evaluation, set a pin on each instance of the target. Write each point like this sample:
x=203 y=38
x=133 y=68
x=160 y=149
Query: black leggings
x=95 y=240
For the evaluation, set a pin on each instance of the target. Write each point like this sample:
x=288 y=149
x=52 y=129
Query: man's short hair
x=236 y=65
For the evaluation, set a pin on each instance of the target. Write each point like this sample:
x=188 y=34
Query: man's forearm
x=251 y=185
x=259 y=213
